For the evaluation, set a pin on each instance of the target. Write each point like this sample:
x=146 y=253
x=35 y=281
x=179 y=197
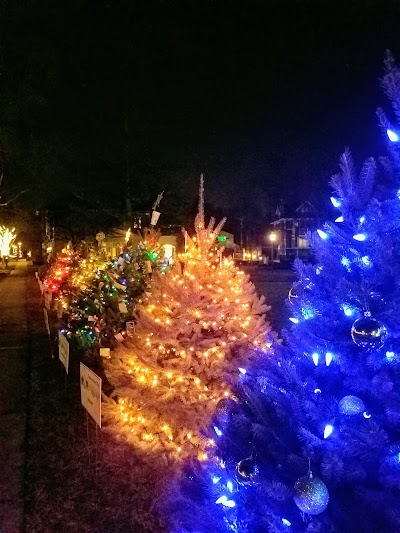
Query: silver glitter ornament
x=225 y=406
x=368 y=332
x=351 y=405
x=311 y=495
x=246 y=471
x=223 y=410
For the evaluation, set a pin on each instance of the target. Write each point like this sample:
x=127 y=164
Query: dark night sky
x=260 y=96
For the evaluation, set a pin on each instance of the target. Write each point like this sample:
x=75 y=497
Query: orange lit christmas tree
x=193 y=333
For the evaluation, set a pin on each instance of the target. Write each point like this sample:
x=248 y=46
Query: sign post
x=91 y=393
x=48 y=295
x=46 y=321
x=63 y=350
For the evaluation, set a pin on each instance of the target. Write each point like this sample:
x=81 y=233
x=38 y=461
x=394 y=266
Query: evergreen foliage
x=328 y=402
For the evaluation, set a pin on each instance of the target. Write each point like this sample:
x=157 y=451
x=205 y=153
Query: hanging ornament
x=374 y=295
x=246 y=471
x=368 y=332
x=225 y=406
x=311 y=494
x=293 y=293
x=223 y=410
x=351 y=405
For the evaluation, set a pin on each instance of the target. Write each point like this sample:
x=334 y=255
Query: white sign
x=105 y=352
x=122 y=307
x=91 y=393
x=154 y=217
x=46 y=320
x=63 y=350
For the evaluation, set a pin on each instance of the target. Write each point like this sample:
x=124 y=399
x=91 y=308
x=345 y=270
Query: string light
x=328 y=431
x=322 y=234
x=347 y=310
x=360 y=237
x=393 y=137
x=335 y=202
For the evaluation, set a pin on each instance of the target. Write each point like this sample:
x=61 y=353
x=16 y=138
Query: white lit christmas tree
x=7 y=236
x=195 y=334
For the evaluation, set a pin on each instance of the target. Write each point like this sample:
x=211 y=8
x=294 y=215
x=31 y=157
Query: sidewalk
x=22 y=331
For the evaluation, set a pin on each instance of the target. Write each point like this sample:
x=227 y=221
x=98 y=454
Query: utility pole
x=128 y=173
x=241 y=232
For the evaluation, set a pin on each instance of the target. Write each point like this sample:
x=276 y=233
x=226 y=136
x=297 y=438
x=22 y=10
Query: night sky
x=260 y=96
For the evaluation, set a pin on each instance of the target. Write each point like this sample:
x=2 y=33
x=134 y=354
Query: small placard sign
x=46 y=320
x=91 y=393
x=105 y=352
x=122 y=307
x=63 y=350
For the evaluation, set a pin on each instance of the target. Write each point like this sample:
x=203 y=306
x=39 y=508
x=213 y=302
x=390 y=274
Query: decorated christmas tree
x=195 y=334
x=60 y=270
x=313 y=442
x=86 y=271
x=100 y=297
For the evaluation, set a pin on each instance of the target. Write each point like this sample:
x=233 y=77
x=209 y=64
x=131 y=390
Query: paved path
x=20 y=324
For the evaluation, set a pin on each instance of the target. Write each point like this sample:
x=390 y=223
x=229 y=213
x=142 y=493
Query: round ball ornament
x=351 y=405
x=246 y=471
x=224 y=406
x=311 y=495
x=293 y=293
x=223 y=410
x=367 y=332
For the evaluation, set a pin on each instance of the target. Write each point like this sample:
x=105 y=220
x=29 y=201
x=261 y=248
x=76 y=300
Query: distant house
x=227 y=241
x=115 y=242
x=290 y=233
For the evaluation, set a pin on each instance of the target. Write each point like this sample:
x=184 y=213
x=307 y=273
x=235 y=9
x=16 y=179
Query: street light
x=272 y=237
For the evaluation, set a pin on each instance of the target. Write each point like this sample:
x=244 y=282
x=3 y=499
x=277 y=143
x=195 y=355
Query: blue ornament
x=368 y=332
x=351 y=405
x=246 y=471
x=311 y=494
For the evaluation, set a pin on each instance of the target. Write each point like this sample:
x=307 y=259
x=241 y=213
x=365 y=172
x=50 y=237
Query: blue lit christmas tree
x=312 y=443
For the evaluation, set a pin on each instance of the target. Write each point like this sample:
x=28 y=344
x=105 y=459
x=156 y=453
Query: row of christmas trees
x=299 y=436
x=180 y=338
x=311 y=440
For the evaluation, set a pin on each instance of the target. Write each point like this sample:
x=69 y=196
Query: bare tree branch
x=15 y=197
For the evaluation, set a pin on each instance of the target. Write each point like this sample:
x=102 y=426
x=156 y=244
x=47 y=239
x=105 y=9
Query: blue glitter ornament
x=368 y=332
x=351 y=405
x=311 y=495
